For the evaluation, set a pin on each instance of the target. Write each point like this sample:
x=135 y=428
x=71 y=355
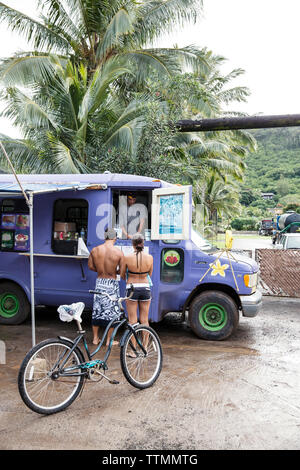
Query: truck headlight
x=250 y=280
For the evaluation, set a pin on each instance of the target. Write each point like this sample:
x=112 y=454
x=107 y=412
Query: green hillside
x=275 y=167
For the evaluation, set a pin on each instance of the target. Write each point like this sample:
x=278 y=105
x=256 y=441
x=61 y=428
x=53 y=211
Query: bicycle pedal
x=114 y=382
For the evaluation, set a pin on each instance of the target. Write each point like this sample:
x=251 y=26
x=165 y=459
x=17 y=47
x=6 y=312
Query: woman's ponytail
x=138 y=244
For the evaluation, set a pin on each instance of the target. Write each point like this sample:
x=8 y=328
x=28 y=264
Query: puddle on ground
x=213 y=347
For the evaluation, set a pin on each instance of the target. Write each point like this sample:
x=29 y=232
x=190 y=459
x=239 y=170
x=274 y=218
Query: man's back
x=105 y=260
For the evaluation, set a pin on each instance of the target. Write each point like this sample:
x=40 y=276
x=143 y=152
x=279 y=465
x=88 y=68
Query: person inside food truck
x=133 y=216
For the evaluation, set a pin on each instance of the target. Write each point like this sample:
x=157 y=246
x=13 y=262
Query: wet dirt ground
x=242 y=393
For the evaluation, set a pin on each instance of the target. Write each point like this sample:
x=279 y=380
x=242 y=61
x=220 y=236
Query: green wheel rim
x=213 y=317
x=9 y=305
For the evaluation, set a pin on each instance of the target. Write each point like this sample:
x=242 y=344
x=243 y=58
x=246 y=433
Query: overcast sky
x=259 y=36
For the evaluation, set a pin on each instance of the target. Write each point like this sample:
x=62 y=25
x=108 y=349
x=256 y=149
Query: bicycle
x=54 y=372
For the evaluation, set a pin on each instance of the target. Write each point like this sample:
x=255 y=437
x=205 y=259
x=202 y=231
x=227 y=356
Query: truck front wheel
x=213 y=315
x=14 y=306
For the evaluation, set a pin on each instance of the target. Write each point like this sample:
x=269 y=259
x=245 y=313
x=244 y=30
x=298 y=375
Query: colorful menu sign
x=22 y=221
x=21 y=240
x=8 y=221
x=15 y=232
x=7 y=240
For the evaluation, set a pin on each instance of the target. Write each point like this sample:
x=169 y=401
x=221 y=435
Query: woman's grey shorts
x=140 y=294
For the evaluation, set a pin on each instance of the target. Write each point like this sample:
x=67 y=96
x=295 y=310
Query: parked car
x=289 y=241
x=267 y=226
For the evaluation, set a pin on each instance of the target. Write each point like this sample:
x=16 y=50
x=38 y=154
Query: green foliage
x=249 y=223
x=275 y=167
x=152 y=156
x=292 y=207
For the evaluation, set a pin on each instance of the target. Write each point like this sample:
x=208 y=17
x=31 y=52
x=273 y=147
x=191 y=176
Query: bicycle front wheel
x=42 y=386
x=141 y=357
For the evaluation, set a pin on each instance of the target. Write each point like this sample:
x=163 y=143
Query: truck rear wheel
x=14 y=306
x=213 y=315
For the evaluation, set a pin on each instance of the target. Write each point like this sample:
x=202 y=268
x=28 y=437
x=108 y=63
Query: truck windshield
x=200 y=242
x=293 y=243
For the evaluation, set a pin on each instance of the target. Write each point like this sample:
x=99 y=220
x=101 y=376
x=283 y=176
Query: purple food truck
x=189 y=276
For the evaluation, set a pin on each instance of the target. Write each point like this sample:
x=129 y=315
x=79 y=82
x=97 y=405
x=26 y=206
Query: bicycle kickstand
x=111 y=381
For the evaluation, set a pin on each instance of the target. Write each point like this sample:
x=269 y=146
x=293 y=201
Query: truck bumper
x=251 y=304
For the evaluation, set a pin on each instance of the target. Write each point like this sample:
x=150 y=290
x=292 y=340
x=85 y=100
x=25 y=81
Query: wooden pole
x=233 y=123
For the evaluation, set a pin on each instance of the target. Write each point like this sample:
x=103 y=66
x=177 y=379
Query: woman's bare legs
x=96 y=339
x=132 y=311
x=144 y=320
x=143 y=311
x=144 y=306
x=132 y=317
x=95 y=334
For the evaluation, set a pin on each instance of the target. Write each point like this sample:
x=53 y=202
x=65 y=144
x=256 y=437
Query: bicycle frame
x=89 y=365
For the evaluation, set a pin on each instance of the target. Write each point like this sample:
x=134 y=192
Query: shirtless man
x=104 y=260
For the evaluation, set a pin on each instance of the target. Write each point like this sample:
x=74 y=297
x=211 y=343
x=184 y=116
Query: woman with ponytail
x=136 y=269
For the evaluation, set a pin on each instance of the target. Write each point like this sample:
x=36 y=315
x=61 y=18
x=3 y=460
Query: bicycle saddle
x=71 y=312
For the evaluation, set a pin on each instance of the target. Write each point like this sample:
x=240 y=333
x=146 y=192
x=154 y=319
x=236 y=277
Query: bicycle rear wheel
x=41 y=386
x=139 y=368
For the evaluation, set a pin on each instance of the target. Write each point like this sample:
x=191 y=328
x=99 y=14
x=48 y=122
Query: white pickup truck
x=288 y=241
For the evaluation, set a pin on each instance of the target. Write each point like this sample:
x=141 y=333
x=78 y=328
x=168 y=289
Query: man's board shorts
x=142 y=292
x=105 y=309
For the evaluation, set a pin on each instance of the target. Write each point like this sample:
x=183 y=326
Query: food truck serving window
x=14 y=225
x=70 y=221
x=131 y=213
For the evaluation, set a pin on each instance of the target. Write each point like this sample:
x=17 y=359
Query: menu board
x=14 y=232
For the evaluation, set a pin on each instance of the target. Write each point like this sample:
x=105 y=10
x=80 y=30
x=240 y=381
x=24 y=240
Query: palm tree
x=60 y=119
x=203 y=95
x=89 y=57
x=219 y=198
x=91 y=32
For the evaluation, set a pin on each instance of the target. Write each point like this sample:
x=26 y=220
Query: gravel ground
x=242 y=393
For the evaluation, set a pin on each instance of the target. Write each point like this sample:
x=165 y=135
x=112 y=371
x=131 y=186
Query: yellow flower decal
x=217 y=268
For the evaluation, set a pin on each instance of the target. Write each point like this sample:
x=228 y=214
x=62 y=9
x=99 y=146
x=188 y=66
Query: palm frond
x=222 y=165
x=238 y=94
x=128 y=128
x=26 y=113
x=27 y=68
x=42 y=36
x=120 y=24
x=99 y=86
x=61 y=156
x=25 y=157
x=160 y=15
x=150 y=61
x=57 y=15
x=187 y=58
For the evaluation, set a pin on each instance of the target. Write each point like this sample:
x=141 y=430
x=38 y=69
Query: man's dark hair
x=110 y=234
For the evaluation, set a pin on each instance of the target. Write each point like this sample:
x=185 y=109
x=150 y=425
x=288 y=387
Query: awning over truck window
x=38 y=188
